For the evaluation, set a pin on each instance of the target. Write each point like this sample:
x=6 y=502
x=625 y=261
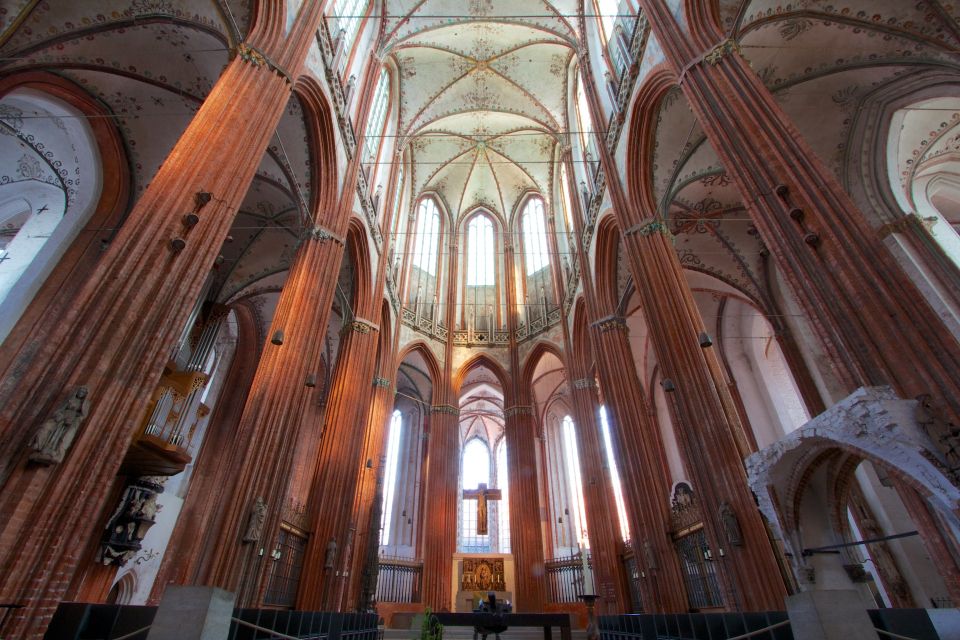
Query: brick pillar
x=707 y=424
x=119 y=331
x=601 y=511
x=368 y=533
x=520 y=427
x=272 y=422
x=526 y=537
x=646 y=479
x=325 y=572
x=636 y=440
x=440 y=503
x=873 y=322
x=602 y=518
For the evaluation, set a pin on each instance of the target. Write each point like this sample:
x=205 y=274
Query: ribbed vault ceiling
x=482 y=93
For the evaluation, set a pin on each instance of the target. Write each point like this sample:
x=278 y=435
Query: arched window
x=49 y=188
x=503 y=506
x=607 y=16
x=585 y=126
x=427 y=238
x=377 y=120
x=347 y=15
x=614 y=475
x=390 y=476
x=481 y=252
x=535 y=252
x=474 y=471
x=572 y=457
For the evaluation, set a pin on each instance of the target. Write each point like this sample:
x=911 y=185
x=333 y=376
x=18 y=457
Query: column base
x=830 y=615
x=193 y=613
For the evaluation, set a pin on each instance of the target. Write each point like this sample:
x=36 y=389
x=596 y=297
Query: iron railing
x=565 y=578
x=399 y=580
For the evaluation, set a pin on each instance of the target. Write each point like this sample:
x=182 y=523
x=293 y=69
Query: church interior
x=607 y=307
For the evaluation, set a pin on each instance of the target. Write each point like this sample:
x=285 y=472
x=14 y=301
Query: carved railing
x=478 y=337
x=399 y=580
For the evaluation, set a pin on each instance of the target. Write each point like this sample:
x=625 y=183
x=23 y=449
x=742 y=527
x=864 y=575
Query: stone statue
x=648 y=555
x=331 y=556
x=258 y=513
x=731 y=526
x=52 y=441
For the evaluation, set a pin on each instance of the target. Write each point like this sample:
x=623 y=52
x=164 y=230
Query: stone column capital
x=382 y=383
x=518 y=410
x=448 y=409
x=322 y=234
x=584 y=383
x=360 y=325
x=610 y=323
x=649 y=227
x=249 y=53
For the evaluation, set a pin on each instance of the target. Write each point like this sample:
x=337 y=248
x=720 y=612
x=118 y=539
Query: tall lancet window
x=390 y=477
x=377 y=119
x=347 y=16
x=503 y=506
x=577 y=507
x=481 y=295
x=587 y=138
x=474 y=471
x=537 y=295
x=424 y=261
x=614 y=475
x=480 y=252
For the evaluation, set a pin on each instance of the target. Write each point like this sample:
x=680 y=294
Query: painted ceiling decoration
x=821 y=61
x=482 y=95
x=151 y=64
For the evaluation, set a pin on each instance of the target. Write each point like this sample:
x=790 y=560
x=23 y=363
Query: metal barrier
x=565 y=578
x=399 y=580
x=78 y=620
x=899 y=624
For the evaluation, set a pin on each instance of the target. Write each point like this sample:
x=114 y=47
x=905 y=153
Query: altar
x=476 y=574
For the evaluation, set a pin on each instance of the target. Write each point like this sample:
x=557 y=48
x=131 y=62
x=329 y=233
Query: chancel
x=316 y=313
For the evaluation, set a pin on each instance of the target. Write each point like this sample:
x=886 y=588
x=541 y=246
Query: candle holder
x=590 y=600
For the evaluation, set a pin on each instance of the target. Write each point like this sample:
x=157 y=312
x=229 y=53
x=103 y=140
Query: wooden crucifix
x=481 y=494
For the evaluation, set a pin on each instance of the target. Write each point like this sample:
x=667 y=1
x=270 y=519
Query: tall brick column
x=117 y=335
x=443 y=468
x=848 y=284
x=598 y=496
x=707 y=423
x=636 y=438
x=526 y=536
x=325 y=575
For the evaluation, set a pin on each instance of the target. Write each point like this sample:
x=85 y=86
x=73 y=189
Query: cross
x=481 y=494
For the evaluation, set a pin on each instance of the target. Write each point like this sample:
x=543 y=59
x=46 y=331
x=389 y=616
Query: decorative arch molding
x=359 y=250
x=703 y=20
x=423 y=349
x=321 y=140
x=872 y=424
x=529 y=368
x=483 y=360
x=642 y=137
x=605 y=266
x=80 y=258
x=582 y=362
